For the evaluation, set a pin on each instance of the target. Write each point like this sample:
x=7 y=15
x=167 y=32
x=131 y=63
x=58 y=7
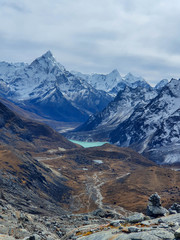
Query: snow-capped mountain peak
x=48 y=54
x=154 y=129
x=114 y=73
x=161 y=84
x=130 y=78
x=47 y=63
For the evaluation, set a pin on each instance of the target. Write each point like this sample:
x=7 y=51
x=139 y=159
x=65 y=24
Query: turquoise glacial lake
x=88 y=144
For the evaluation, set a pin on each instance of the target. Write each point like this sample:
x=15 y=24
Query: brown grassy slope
x=27 y=184
x=127 y=179
x=58 y=126
x=28 y=135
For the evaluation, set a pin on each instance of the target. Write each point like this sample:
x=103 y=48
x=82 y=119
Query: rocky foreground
x=101 y=224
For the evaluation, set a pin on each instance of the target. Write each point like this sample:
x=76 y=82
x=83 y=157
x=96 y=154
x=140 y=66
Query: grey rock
x=177 y=233
x=164 y=235
x=175 y=207
x=4 y=229
x=85 y=218
x=154 y=211
x=154 y=208
x=172 y=211
x=162 y=225
x=34 y=237
x=155 y=200
x=21 y=233
x=60 y=234
x=160 y=220
x=138 y=217
x=115 y=223
x=105 y=213
x=133 y=229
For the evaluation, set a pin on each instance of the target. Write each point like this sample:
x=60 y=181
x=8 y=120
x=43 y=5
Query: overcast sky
x=138 y=36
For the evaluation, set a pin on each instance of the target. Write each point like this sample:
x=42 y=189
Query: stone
x=175 y=207
x=33 y=237
x=138 y=217
x=85 y=218
x=154 y=211
x=163 y=234
x=177 y=233
x=21 y=233
x=115 y=223
x=133 y=229
x=160 y=220
x=105 y=213
x=154 y=208
x=4 y=229
x=155 y=200
x=172 y=211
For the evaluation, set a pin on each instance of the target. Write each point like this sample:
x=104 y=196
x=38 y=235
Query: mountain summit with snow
x=154 y=130
x=112 y=82
x=47 y=88
x=47 y=63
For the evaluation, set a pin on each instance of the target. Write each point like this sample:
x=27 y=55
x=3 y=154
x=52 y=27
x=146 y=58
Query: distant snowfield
x=88 y=144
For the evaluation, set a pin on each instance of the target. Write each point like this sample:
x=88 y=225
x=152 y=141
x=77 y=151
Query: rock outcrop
x=17 y=224
x=154 y=208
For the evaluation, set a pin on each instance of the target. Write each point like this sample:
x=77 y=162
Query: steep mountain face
x=161 y=84
x=147 y=120
x=25 y=182
x=117 y=111
x=155 y=129
x=30 y=186
x=53 y=105
x=47 y=88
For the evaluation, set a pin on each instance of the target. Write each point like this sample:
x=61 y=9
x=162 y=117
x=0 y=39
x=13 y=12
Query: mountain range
x=47 y=89
x=144 y=119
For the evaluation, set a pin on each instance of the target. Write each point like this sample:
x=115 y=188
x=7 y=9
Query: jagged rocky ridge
x=127 y=100
x=112 y=83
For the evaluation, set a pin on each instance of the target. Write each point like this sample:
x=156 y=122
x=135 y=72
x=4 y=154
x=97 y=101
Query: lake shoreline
x=88 y=144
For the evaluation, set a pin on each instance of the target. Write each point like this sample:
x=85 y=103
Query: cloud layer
x=138 y=36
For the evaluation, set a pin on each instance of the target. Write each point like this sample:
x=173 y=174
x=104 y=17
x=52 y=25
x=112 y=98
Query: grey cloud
x=138 y=36
x=19 y=7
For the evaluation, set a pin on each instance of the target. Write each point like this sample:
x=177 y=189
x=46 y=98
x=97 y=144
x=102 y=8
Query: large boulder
x=105 y=214
x=177 y=233
x=138 y=217
x=154 y=208
x=175 y=208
